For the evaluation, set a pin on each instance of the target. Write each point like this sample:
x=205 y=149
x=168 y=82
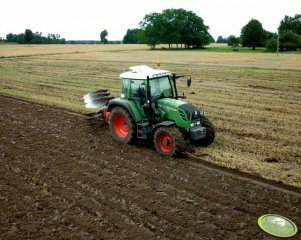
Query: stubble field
x=254 y=100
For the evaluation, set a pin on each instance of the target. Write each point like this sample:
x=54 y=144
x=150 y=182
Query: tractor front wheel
x=122 y=125
x=168 y=141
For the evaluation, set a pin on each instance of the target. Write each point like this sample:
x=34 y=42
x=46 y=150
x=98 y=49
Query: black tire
x=210 y=134
x=169 y=141
x=129 y=127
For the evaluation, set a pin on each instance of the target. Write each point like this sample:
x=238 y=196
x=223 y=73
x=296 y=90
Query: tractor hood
x=189 y=109
x=170 y=102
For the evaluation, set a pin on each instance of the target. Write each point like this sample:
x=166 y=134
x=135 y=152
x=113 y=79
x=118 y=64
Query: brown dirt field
x=63 y=179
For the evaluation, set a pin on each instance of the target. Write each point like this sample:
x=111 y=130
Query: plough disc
x=95 y=117
x=97 y=100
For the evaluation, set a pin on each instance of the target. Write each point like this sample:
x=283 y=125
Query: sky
x=85 y=19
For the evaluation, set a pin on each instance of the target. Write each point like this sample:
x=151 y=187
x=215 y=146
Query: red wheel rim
x=165 y=142
x=120 y=126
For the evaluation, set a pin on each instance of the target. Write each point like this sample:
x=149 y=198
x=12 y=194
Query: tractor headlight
x=192 y=125
x=198 y=123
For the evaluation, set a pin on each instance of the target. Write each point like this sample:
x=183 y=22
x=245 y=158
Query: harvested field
x=253 y=99
x=19 y=50
x=63 y=179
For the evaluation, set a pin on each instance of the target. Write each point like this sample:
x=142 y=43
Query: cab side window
x=125 y=88
x=138 y=88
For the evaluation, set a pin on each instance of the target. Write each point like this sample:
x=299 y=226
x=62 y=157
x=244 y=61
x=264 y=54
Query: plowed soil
x=63 y=179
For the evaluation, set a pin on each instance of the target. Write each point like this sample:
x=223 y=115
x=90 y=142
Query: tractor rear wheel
x=210 y=134
x=122 y=125
x=168 y=141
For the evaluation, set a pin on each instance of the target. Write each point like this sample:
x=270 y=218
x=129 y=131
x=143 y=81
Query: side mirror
x=188 y=82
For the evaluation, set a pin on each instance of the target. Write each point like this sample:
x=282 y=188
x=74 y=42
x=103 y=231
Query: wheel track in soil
x=123 y=191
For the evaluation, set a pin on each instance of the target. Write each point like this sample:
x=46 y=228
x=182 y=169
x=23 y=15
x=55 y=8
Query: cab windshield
x=160 y=88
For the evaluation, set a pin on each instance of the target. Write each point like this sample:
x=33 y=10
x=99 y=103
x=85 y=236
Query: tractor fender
x=114 y=103
x=167 y=123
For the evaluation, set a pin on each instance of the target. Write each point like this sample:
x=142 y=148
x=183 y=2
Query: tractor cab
x=162 y=84
x=135 y=83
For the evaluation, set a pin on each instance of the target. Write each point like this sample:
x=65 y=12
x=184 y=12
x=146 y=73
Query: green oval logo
x=277 y=225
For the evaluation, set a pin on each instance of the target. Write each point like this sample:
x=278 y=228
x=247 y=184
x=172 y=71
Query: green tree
x=170 y=25
x=132 y=36
x=212 y=40
x=290 y=33
x=175 y=26
x=289 y=41
x=193 y=31
x=152 y=29
x=271 y=44
x=233 y=41
x=253 y=34
x=20 y=38
x=103 y=37
x=11 y=37
x=267 y=36
x=28 y=36
x=220 y=39
x=291 y=24
x=37 y=38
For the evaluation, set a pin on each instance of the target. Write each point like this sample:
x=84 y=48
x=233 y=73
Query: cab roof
x=143 y=71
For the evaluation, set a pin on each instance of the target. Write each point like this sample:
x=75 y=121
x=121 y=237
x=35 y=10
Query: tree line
x=178 y=26
x=28 y=37
x=254 y=35
x=182 y=28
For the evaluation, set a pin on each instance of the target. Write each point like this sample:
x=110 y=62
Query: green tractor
x=149 y=109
